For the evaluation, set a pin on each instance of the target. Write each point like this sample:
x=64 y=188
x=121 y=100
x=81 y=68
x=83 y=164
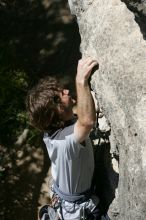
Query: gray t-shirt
x=72 y=163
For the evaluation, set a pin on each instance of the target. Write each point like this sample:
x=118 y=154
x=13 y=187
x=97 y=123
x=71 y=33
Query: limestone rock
x=103 y=124
x=110 y=34
x=138 y=7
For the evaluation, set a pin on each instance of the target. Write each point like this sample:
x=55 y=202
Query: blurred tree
x=37 y=38
x=13 y=87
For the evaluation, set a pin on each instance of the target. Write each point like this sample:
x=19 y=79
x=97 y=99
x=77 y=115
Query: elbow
x=91 y=124
x=88 y=123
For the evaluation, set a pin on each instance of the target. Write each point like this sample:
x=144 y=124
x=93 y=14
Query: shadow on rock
x=105 y=177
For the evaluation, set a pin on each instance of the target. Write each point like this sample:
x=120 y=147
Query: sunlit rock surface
x=110 y=33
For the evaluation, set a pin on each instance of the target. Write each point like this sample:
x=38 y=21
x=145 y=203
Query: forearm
x=85 y=103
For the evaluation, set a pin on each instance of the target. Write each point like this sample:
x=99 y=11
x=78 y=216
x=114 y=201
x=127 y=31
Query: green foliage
x=34 y=137
x=13 y=119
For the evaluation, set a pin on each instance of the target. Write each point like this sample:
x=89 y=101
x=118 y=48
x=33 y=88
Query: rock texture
x=110 y=33
x=138 y=7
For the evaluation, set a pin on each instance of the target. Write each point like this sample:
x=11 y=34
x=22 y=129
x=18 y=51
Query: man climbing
x=50 y=109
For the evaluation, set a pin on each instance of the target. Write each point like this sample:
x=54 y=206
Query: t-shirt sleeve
x=51 y=148
x=72 y=148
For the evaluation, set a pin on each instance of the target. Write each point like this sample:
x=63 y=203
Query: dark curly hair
x=42 y=104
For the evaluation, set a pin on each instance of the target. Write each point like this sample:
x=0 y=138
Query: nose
x=65 y=91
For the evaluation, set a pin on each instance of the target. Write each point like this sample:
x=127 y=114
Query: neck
x=68 y=117
x=70 y=121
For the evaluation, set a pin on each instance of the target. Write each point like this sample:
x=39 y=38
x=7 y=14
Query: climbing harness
x=83 y=215
x=76 y=199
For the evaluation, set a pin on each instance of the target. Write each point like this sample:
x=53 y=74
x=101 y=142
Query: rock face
x=138 y=7
x=109 y=33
